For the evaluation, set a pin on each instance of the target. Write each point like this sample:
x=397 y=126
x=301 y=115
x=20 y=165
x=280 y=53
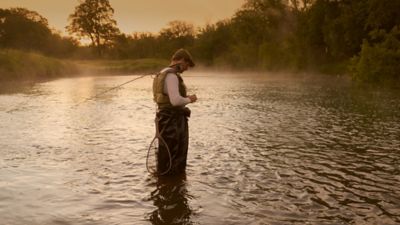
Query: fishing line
x=23 y=103
x=157 y=140
x=17 y=107
x=155 y=144
x=113 y=88
x=20 y=105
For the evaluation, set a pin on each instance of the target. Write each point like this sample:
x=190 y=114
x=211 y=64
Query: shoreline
x=23 y=68
x=20 y=66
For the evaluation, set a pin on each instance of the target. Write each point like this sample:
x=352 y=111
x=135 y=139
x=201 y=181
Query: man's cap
x=183 y=54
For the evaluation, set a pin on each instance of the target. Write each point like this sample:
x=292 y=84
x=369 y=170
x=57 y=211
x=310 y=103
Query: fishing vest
x=160 y=97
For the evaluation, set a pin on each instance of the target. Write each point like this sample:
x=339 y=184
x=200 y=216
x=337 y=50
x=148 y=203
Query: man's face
x=183 y=65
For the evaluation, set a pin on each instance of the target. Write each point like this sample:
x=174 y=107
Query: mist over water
x=264 y=149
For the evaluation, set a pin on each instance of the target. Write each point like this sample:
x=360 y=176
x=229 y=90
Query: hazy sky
x=137 y=15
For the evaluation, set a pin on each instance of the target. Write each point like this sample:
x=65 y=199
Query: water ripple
x=263 y=150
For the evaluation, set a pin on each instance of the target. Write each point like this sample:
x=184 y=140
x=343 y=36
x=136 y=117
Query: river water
x=264 y=149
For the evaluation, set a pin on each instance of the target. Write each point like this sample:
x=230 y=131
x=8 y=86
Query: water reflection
x=171 y=199
x=262 y=151
x=9 y=87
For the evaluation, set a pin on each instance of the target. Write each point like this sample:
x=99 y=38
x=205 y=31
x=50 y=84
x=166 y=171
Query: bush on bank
x=379 y=62
x=20 y=65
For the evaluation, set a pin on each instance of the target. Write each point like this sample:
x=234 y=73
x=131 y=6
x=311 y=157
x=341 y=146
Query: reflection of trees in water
x=171 y=199
x=12 y=87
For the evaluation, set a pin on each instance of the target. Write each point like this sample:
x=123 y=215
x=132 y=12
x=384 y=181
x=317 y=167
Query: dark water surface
x=263 y=150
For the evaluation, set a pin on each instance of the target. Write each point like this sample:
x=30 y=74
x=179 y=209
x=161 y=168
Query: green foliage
x=16 y=65
x=121 y=66
x=212 y=42
x=21 y=28
x=24 y=29
x=383 y=14
x=379 y=62
x=318 y=35
x=93 y=19
x=344 y=31
x=272 y=56
x=245 y=41
x=257 y=24
x=178 y=34
x=327 y=34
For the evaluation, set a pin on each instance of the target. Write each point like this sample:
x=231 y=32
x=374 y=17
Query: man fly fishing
x=171 y=97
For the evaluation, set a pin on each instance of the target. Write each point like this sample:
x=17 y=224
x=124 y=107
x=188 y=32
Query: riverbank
x=119 y=67
x=17 y=65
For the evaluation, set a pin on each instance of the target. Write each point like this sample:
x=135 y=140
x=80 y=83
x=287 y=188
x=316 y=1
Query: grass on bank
x=20 y=65
x=119 y=67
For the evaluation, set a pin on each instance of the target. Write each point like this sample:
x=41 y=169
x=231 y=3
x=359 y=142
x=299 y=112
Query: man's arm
x=171 y=87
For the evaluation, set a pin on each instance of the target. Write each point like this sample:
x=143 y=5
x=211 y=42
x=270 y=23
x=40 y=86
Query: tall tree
x=23 y=29
x=177 y=34
x=93 y=19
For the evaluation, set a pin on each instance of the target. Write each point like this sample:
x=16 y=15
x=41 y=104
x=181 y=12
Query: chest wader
x=173 y=122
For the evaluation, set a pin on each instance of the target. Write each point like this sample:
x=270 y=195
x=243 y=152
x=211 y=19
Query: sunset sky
x=137 y=15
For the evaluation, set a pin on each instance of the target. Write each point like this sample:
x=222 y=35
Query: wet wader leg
x=163 y=160
x=183 y=144
x=176 y=135
x=174 y=142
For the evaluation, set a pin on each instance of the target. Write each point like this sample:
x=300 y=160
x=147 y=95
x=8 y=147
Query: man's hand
x=193 y=98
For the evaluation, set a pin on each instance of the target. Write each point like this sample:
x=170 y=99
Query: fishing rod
x=10 y=110
x=177 y=65
x=157 y=140
x=113 y=88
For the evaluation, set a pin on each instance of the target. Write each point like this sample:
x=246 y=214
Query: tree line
x=360 y=37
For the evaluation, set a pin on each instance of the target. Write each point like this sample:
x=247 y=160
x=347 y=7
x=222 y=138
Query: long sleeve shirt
x=171 y=88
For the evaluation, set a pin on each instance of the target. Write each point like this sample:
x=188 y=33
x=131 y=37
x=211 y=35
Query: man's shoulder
x=168 y=70
x=171 y=76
